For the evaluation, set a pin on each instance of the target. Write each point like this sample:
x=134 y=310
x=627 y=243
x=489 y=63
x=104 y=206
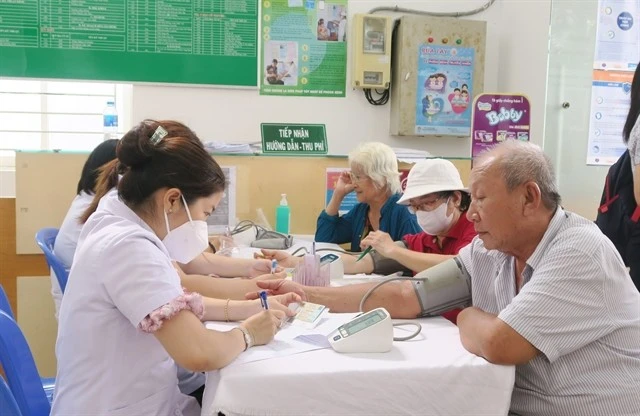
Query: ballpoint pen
x=364 y=253
x=263 y=300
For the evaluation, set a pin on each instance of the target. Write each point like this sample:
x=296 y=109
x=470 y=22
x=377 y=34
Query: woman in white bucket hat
x=435 y=193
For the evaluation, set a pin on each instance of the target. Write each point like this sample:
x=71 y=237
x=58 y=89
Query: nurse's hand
x=272 y=276
x=263 y=326
x=278 y=287
x=259 y=267
x=281 y=302
x=283 y=258
x=380 y=241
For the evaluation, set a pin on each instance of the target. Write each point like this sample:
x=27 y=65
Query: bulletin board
x=189 y=41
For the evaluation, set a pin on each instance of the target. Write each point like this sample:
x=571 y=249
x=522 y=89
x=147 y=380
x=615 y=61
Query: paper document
x=308 y=315
x=289 y=340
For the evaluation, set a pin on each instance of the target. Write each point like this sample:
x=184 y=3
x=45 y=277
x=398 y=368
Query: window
x=56 y=115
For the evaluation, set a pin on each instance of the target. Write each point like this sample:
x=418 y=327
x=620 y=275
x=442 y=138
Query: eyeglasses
x=357 y=178
x=427 y=205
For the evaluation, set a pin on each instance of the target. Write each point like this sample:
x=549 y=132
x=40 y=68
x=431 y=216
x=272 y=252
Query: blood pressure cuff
x=385 y=266
x=442 y=288
x=257 y=236
x=272 y=240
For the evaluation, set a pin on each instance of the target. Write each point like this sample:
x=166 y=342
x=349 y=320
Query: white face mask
x=436 y=221
x=187 y=241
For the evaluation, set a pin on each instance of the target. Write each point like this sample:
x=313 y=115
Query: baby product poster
x=499 y=117
x=304 y=49
x=445 y=90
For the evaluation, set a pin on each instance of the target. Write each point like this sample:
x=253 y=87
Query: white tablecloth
x=429 y=375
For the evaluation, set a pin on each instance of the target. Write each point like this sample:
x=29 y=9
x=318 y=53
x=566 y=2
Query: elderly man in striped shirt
x=550 y=293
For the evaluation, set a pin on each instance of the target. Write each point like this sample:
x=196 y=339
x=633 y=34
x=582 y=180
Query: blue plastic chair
x=46 y=238
x=20 y=369
x=5 y=306
x=8 y=403
x=48 y=384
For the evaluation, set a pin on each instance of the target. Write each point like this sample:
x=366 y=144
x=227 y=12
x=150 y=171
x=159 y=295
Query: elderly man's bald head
x=519 y=162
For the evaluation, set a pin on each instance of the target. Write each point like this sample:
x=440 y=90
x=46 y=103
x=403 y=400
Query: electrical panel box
x=371 y=36
x=438 y=69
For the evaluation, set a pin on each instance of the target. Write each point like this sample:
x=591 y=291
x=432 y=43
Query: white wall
x=516 y=61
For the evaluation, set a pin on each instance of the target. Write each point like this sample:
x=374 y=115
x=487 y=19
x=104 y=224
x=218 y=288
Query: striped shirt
x=579 y=308
x=634 y=144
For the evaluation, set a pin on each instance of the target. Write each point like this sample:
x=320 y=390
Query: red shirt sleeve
x=452 y=315
x=467 y=235
x=414 y=241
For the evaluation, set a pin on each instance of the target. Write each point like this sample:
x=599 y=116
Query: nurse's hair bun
x=136 y=147
x=155 y=155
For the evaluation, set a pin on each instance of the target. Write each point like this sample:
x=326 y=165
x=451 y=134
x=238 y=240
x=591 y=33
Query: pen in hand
x=274 y=264
x=364 y=253
x=263 y=300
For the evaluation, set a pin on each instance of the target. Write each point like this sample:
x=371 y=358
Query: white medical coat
x=106 y=365
x=67 y=240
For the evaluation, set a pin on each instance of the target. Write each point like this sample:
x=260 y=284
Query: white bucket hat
x=429 y=176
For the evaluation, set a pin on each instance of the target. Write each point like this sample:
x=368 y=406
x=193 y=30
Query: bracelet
x=248 y=338
x=226 y=311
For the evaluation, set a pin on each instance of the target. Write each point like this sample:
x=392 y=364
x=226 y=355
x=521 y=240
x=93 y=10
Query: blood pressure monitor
x=370 y=332
x=335 y=264
x=328 y=258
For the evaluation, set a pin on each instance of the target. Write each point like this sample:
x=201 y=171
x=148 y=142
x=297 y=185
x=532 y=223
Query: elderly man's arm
x=486 y=335
x=398 y=298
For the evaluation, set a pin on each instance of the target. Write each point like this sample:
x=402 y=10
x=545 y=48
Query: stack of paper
x=411 y=155
x=237 y=148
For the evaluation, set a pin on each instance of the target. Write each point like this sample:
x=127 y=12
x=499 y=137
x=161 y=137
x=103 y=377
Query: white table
x=430 y=375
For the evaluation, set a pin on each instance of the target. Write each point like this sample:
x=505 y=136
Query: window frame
x=122 y=95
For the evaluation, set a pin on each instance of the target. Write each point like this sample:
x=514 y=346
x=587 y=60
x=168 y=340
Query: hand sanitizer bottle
x=283 y=216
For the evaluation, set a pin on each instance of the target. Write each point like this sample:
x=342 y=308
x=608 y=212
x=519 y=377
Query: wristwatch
x=248 y=339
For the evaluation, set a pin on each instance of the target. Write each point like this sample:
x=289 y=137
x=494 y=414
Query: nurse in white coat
x=69 y=232
x=125 y=320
